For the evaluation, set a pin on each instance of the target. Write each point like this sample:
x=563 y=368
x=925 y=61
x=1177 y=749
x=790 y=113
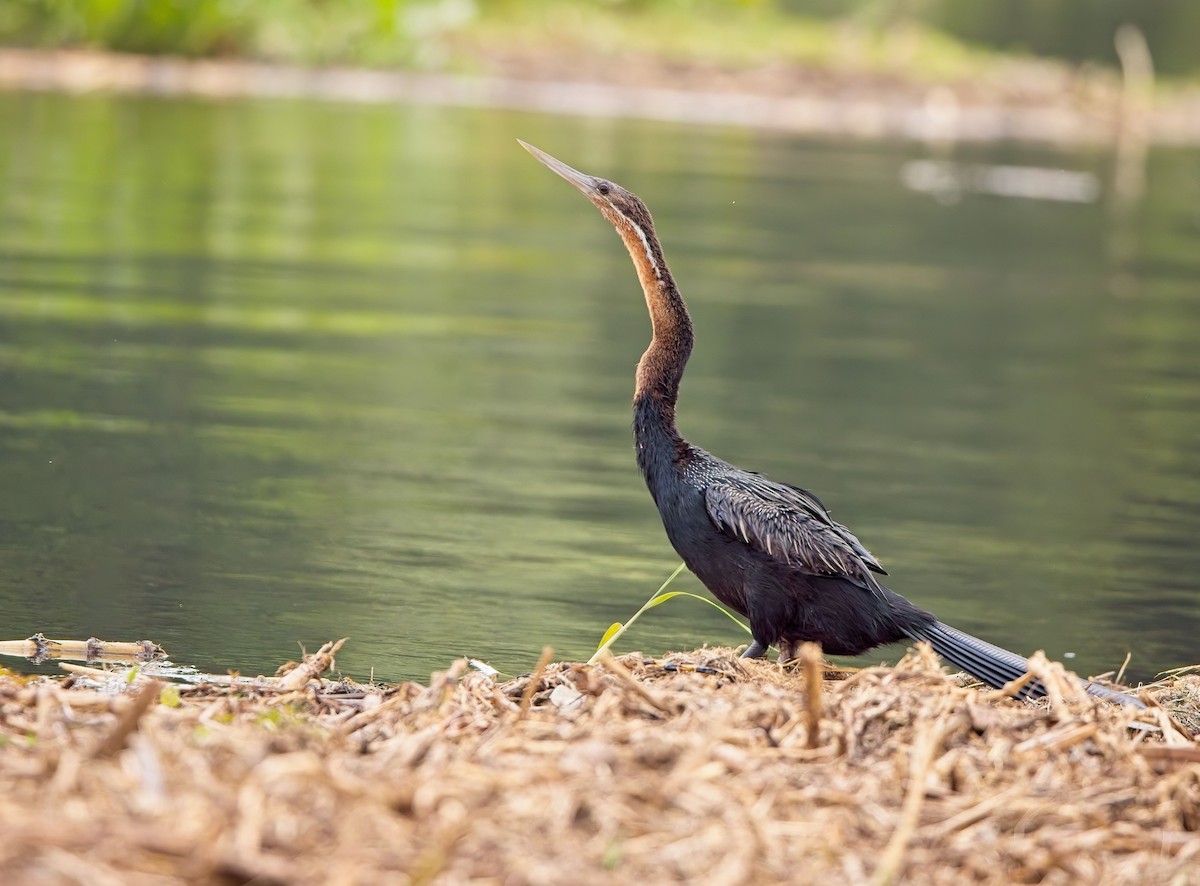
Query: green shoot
x=616 y=629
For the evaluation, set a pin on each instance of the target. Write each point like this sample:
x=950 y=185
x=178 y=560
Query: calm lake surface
x=277 y=373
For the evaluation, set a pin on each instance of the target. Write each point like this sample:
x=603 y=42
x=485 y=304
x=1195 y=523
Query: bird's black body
x=767 y=550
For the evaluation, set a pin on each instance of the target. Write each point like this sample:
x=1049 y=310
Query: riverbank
x=698 y=767
x=1029 y=101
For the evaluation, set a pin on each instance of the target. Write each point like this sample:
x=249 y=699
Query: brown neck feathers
x=661 y=367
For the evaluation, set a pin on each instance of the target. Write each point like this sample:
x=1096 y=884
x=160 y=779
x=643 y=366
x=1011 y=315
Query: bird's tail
x=996 y=666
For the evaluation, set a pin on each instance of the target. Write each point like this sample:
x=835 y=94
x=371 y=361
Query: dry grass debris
x=698 y=767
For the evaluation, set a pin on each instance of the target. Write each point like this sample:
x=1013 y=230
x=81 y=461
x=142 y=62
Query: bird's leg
x=757 y=649
x=766 y=612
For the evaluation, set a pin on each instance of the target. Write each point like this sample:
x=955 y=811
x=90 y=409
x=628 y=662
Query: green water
x=275 y=373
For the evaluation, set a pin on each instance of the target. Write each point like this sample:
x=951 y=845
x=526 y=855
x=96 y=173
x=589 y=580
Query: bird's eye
x=603 y=187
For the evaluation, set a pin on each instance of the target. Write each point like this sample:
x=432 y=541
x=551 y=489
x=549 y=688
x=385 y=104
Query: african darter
x=767 y=550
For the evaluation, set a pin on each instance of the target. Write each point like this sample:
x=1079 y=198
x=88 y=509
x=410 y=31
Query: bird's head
x=623 y=209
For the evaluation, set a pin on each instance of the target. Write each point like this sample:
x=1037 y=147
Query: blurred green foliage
x=301 y=30
x=410 y=32
x=1076 y=30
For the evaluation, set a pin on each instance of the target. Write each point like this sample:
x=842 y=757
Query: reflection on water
x=274 y=373
x=947 y=181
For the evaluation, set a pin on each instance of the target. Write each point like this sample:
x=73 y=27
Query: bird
x=770 y=551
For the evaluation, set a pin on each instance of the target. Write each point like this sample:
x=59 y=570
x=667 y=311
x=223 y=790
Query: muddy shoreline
x=1036 y=102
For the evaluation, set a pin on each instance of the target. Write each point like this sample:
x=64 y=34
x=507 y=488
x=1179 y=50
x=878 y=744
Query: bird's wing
x=791 y=525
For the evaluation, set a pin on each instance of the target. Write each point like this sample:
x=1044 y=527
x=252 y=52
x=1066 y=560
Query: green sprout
x=616 y=629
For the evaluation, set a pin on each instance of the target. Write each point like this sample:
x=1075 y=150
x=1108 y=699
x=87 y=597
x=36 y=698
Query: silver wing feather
x=791 y=525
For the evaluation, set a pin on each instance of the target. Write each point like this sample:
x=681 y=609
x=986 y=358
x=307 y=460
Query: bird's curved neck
x=660 y=370
x=661 y=367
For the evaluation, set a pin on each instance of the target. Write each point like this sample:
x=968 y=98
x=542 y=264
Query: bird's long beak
x=584 y=183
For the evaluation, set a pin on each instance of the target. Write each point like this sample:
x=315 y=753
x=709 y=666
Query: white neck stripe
x=646 y=246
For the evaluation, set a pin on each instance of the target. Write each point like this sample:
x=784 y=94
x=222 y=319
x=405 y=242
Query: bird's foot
x=755 y=650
